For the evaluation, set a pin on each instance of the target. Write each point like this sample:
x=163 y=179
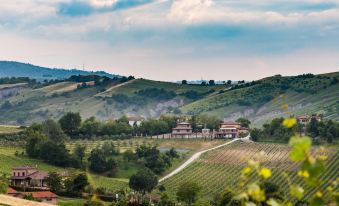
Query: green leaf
x=301 y=146
x=297 y=191
x=315 y=169
x=273 y=202
x=317 y=201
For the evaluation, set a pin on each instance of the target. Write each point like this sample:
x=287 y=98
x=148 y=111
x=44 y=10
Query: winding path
x=193 y=158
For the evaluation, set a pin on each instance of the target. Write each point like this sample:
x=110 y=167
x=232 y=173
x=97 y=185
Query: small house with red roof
x=26 y=176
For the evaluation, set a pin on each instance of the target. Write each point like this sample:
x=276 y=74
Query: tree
x=244 y=122
x=184 y=82
x=188 y=192
x=80 y=182
x=3 y=184
x=165 y=200
x=70 y=123
x=203 y=83
x=143 y=181
x=312 y=127
x=211 y=82
x=53 y=131
x=256 y=134
x=229 y=82
x=34 y=142
x=79 y=152
x=55 y=153
x=54 y=182
x=90 y=127
x=100 y=162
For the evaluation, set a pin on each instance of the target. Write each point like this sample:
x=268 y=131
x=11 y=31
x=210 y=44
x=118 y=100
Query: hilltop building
x=26 y=176
x=182 y=129
x=231 y=130
x=305 y=119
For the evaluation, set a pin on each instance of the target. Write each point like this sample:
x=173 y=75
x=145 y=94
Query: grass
x=63 y=201
x=7 y=129
x=221 y=168
x=8 y=160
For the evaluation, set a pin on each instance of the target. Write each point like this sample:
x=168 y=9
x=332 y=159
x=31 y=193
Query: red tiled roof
x=11 y=191
x=42 y=194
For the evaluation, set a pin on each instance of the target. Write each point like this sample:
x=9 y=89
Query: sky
x=174 y=39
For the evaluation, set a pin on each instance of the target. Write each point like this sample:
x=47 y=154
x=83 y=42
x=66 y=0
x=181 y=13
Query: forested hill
x=260 y=101
x=17 y=69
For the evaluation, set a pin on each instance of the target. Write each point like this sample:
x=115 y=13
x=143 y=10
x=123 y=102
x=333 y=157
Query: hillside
x=17 y=69
x=276 y=96
x=260 y=101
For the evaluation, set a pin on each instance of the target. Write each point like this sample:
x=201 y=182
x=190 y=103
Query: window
x=23 y=173
x=14 y=174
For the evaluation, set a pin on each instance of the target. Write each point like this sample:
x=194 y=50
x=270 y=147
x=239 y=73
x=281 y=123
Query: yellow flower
x=256 y=193
x=304 y=173
x=319 y=194
x=289 y=122
x=323 y=157
x=265 y=173
x=246 y=170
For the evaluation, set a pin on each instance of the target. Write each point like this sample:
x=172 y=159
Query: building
x=305 y=119
x=26 y=176
x=44 y=196
x=231 y=130
x=135 y=120
x=182 y=129
x=41 y=196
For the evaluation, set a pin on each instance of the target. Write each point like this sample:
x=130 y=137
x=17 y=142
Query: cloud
x=84 y=8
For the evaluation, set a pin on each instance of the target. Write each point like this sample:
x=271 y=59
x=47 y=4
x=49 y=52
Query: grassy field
x=11 y=157
x=8 y=159
x=220 y=169
x=7 y=129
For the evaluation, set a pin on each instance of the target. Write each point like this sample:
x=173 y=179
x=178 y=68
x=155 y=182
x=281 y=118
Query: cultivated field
x=221 y=168
x=7 y=129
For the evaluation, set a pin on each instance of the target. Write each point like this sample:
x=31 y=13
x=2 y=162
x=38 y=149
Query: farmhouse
x=305 y=119
x=135 y=120
x=26 y=176
x=230 y=130
x=182 y=129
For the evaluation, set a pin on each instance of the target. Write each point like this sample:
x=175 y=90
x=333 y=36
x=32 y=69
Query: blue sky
x=174 y=39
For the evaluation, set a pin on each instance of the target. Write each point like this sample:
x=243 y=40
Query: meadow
x=220 y=169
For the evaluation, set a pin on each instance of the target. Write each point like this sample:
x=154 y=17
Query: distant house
x=182 y=129
x=135 y=120
x=305 y=119
x=231 y=130
x=44 y=196
x=26 y=176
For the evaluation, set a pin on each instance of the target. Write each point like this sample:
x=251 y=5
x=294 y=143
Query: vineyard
x=221 y=168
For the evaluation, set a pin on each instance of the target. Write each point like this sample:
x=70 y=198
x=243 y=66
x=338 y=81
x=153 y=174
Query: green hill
x=17 y=69
x=260 y=101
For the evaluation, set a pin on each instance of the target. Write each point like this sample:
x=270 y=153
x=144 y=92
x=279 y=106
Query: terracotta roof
x=42 y=194
x=12 y=191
